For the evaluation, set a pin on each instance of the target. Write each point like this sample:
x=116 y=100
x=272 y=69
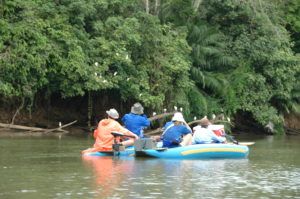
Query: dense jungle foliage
x=239 y=56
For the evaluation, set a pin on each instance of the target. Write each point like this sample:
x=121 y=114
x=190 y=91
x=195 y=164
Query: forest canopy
x=237 y=56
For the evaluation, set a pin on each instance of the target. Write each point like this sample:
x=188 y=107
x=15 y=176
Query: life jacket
x=104 y=138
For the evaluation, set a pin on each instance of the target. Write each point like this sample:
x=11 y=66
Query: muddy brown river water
x=52 y=167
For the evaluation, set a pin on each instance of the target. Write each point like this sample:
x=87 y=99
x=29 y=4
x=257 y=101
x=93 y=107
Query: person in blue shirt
x=177 y=132
x=203 y=135
x=136 y=120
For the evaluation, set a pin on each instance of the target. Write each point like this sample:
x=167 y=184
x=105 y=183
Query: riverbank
x=59 y=111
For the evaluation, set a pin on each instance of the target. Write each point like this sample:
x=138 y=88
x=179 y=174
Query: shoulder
x=171 y=122
x=168 y=124
x=185 y=128
x=199 y=129
x=144 y=116
x=102 y=121
x=126 y=115
x=196 y=128
x=115 y=123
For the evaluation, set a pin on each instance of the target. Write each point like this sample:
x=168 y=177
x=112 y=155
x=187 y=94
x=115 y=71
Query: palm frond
x=296 y=94
x=198 y=102
x=197 y=75
x=295 y=107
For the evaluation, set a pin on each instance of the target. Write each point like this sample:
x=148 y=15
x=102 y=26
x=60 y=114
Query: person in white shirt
x=203 y=135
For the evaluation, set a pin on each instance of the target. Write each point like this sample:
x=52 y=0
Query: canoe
x=198 y=151
x=129 y=151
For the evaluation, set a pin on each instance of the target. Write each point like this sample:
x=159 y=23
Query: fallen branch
x=163 y=115
x=12 y=126
x=156 y=131
x=60 y=128
x=36 y=129
x=212 y=121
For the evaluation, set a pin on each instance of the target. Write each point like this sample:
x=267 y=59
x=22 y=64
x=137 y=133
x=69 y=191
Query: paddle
x=231 y=138
x=115 y=134
x=247 y=143
x=118 y=146
x=239 y=143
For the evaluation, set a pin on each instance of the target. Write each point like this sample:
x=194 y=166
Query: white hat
x=113 y=113
x=137 y=108
x=178 y=117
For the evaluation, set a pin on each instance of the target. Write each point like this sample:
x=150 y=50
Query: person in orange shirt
x=103 y=136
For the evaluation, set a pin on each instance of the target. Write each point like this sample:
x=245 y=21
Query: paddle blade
x=246 y=143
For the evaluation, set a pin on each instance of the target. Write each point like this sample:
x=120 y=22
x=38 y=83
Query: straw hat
x=137 y=108
x=113 y=113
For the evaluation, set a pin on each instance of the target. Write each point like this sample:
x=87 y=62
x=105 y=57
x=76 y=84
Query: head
x=113 y=113
x=137 y=108
x=204 y=122
x=178 y=118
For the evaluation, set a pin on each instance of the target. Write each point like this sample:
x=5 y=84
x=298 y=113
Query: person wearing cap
x=204 y=135
x=103 y=136
x=176 y=132
x=136 y=120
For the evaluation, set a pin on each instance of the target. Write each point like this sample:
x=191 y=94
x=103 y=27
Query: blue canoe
x=198 y=151
x=128 y=152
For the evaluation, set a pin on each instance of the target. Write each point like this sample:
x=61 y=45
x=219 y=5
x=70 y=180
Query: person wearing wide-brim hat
x=136 y=120
x=103 y=136
x=204 y=135
x=176 y=132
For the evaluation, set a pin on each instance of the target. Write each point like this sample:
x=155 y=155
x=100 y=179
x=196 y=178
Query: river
x=52 y=167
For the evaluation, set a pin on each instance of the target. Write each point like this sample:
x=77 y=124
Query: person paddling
x=136 y=120
x=103 y=136
x=177 y=132
x=204 y=135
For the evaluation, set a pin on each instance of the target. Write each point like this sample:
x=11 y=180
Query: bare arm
x=187 y=126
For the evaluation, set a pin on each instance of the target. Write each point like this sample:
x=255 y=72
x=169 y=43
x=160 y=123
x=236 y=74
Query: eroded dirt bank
x=49 y=113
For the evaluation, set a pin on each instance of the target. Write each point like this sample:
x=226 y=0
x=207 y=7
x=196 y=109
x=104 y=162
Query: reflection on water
x=156 y=178
x=181 y=178
x=109 y=173
x=53 y=168
x=151 y=178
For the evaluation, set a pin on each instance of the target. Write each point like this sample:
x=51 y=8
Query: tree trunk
x=197 y=4
x=57 y=2
x=157 y=7
x=18 y=110
x=90 y=108
x=147 y=6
